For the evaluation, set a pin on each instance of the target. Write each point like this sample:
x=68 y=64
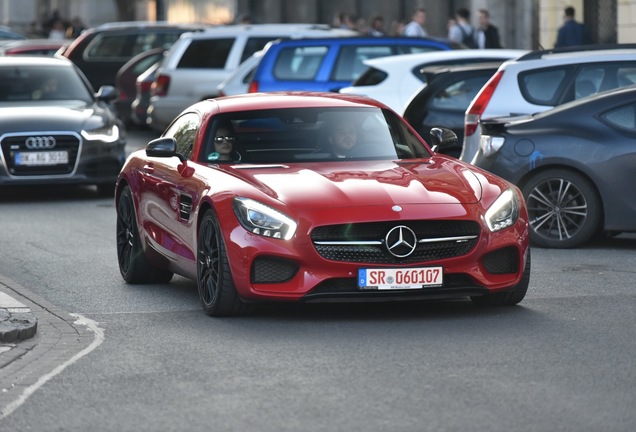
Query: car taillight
x=253 y=88
x=478 y=105
x=144 y=86
x=160 y=85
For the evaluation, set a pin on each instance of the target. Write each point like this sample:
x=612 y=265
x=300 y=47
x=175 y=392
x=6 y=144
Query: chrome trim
x=459 y=239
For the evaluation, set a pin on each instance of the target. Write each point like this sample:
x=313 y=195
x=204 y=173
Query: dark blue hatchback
x=331 y=63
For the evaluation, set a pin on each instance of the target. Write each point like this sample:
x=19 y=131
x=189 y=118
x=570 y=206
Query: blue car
x=331 y=63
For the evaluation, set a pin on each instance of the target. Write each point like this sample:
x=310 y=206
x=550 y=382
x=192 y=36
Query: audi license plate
x=400 y=278
x=41 y=158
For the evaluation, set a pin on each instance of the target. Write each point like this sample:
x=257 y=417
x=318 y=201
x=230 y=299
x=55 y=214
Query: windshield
x=309 y=134
x=36 y=83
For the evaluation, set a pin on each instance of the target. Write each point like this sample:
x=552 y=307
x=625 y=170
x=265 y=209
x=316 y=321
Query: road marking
x=99 y=338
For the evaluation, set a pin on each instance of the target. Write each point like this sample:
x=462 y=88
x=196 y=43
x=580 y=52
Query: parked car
x=126 y=80
x=394 y=80
x=330 y=64
x=101 y=51
x=54 y=129
x=44 y=47
x=575 y=164
x=143 y=91
x=198 y=63
x=443 y=101
x=239 y=81
x=6 y=34
x=544 y=79
x=247 y=196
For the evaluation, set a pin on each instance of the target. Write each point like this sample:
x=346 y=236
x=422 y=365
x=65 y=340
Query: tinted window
x=623 y=117
x=542 y=86
x=300 y=63
x=184 y=130
x=371 y=77
x=206 y=54
x=458 y=95
x=349 y=64
x=254 y=44
x=124 y=46
x=38 y=83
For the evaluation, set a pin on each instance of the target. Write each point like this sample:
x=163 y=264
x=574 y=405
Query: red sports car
x=315 y=197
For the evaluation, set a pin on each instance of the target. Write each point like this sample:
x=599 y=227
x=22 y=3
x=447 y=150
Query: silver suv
x=541 y=80
x=198 y=62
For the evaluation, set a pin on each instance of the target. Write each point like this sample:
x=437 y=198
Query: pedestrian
x=376 y=28
x=416 y=27
x=571 y=33
x=58 y=31
x=463 y=32
x=488 y=34
x=346 y=21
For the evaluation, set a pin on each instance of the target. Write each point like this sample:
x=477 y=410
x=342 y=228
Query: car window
x=350 y=62
x=184 y=130
x=623 y=117
x=543 y=86
x=124 y=46
x=254 y=44
x=38 y=83
x=458 y=95
x=307 y=135
x=371 y=77
x=206 y=53
x=600 y=77
x=301 y=63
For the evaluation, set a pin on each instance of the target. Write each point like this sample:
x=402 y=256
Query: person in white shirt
x=416 y=27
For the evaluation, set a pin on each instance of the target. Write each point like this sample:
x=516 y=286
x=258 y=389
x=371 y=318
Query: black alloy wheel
x=133 y=265
x=563 y=208
x=214 y=277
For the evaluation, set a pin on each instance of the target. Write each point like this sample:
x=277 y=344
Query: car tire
x=564 y=208
x=511 y=296
x=106 y=190
x=133 y=264
x=214 y=278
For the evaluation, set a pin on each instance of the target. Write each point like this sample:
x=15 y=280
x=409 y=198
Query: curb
x=17 y=323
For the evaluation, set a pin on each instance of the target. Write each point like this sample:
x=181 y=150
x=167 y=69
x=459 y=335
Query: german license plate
x=400 y=278
x=41 y=158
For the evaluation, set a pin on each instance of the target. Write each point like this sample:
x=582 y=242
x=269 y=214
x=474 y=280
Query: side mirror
x=443 y=139
x=163 y=147
x=107 y=93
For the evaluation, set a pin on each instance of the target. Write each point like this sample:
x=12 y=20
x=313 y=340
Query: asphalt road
x=111 y=356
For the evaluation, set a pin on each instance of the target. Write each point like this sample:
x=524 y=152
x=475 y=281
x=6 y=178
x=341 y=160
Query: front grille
x=64 y=142
x=272 y=270
x=502 y=261
x=365 y=242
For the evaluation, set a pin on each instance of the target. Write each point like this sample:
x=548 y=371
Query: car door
x=169 y=190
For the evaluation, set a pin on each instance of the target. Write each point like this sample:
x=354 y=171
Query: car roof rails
x=537 y=54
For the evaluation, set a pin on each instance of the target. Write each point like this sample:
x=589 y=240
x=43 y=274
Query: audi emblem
x=40 y=142
x=401 y=241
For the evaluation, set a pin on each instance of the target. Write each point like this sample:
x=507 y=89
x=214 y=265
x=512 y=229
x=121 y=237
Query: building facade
x=524 y=24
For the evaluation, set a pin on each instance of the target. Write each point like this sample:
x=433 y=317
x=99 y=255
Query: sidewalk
x=16 y=320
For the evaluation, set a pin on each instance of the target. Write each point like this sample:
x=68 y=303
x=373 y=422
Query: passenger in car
x=343 y=137
x=223 y=144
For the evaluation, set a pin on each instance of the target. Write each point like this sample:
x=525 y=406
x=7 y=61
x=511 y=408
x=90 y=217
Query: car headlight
x=260 y=219
x=503 y=212
x=107 y=134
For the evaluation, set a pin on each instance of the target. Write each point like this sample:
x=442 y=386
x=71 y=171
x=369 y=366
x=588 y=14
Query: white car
x=544 y=79
x=239 y=81
x=198 y=62
x=393 y=80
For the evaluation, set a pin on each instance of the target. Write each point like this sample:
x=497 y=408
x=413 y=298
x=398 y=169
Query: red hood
x=342 y=184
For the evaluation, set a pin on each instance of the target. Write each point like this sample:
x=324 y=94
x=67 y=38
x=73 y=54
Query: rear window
x=206 y=54
x=458 y=95
x=300 y=63
x=371 y=77
x=350 y=63
x=254 y=44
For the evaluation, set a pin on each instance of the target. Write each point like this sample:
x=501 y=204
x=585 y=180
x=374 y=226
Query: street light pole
x=160 y=10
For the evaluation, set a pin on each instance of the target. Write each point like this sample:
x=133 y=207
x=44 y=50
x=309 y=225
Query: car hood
x=440 y=180
x=49 y=118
